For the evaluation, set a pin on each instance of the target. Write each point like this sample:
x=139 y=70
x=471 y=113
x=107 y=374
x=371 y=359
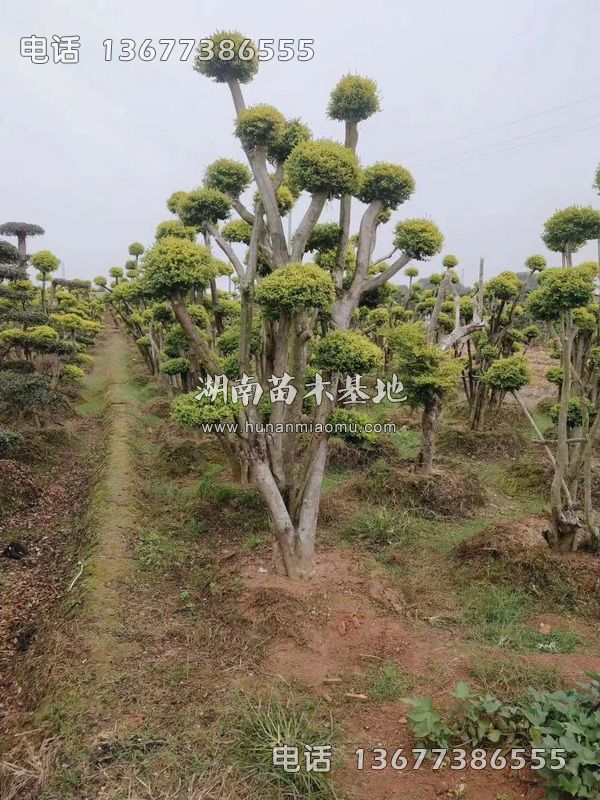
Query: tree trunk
x=430 y=423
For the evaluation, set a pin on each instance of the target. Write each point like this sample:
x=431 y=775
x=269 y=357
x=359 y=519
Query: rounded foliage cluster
x=203 y=205
x=324 y=236
x=215 y=61
x=346 y=352
x=508 y=374
x=353 y=99
x=321 y=166
x=45 y=261
x=175 y=366
x=259 y=126
x=575 y=412
x=173 y=264
x=8 y=253
x=136 y=249
x=238 y=230
x=351 y=426
x=293 y=133
x=450 y=261
x=505 y=286
x=535 y=263
x=174 y=201
x=294 y=287
x=570 y=228
x=418 y=238
x=175 y=227
x=560 y=290
x=555 y=375
x=228 y=176
x=21 y=229
x=390 y=183
x=187 y=410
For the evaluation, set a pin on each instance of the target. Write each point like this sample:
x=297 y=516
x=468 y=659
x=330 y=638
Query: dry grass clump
x=498 y=443
x=448 y=492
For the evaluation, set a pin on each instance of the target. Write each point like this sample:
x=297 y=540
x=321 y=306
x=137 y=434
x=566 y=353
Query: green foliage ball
x=238 y=230
x=508 y=374
x=293 y=287
x=573 y=227
x=293 y=133
x=324 y=236
x=353 y=99
x=321 y=166
x=259 y=126
x=228 y=176
x=176 y=228
x=450 y=261
x=204 y=205
x=535 y=263
x=175 y=366
x=242 y=67
x=174 y=200
x=346 y=352
x=136 y=249
x=173 y=265
x=418 y=238
x=560 y=290
x=390 y=183
x=45 y=261
x=505 y=286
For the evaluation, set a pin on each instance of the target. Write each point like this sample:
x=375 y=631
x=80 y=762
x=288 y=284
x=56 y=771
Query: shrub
x=174 y=264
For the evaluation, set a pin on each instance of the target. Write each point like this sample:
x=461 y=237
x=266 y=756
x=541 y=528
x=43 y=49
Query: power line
x=505 y=141
x=518 y=146
x=503 y=125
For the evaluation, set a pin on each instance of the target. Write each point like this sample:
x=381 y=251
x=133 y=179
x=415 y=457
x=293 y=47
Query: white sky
x=91 y=151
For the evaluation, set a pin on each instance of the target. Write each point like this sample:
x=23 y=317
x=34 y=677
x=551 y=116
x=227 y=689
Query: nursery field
x=178 y=657
x=288 y=511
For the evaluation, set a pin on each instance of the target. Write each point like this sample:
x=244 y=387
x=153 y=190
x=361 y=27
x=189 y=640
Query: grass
x=509 y=678
x=388 y=683
x=269 y=723
x=377 y=528
x=497 y=612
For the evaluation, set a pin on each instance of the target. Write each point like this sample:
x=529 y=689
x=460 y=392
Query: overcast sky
x=90 y=151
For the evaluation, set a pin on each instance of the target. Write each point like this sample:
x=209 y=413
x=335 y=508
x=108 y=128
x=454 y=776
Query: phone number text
x=207 y=49
x=537 y=758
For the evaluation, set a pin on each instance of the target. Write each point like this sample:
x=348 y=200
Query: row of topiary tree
x=45 y=330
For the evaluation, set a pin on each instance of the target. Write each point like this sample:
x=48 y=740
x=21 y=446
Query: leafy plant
x=567 y=721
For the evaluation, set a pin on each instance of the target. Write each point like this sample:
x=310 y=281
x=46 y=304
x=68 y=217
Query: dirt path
x=114 y=518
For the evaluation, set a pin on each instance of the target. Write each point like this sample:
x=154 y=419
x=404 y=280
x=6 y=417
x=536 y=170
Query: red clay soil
x=339 y=625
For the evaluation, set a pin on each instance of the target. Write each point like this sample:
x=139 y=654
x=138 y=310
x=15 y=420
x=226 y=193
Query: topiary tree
x=429 y=374
x=564 y=302
x=569 y=229
x=293 y=317
x=21 y=230
x=135 y=249
x=46 y=263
